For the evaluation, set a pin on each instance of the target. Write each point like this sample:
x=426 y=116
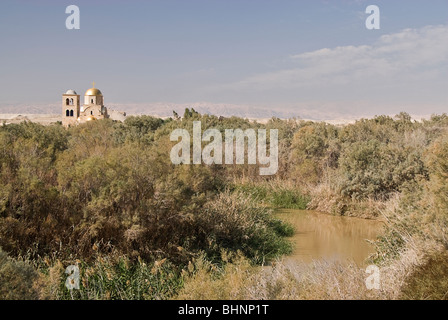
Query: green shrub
x=16 y=279
x=117 y=278
x=275 y=195
x=429 y=281
x=288 y=199
x=235 y=222
x=372 y=169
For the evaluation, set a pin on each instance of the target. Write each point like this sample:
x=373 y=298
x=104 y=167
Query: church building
x=93 y=108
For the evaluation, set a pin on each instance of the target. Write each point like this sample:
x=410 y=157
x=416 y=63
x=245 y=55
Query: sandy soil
x=44 y=119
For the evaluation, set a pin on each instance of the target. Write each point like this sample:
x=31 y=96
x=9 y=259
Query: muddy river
x=321 y=236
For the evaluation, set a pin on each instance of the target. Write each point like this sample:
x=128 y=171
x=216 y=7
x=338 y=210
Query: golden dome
x=91 y=118
x=93 y=92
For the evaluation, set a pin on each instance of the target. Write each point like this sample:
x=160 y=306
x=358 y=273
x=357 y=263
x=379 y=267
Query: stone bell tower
x=70 y=108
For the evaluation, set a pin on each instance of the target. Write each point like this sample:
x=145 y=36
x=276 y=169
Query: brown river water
x=320 y=236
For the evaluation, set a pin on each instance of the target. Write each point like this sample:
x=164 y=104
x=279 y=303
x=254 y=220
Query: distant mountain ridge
x=161 y=109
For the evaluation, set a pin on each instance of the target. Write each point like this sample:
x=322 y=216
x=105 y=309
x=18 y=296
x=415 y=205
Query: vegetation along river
x=326 y=237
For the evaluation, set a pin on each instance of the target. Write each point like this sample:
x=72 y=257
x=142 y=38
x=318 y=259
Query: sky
x=279 y=54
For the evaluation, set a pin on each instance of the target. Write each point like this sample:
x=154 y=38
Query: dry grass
x=209 y=282
x=319 y=280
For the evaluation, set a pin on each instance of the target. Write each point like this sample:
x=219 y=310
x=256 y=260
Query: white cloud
x=408 y=66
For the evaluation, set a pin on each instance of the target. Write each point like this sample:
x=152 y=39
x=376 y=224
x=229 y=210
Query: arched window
x=67 y=113
x=91 y=101
x=91 y=113
x=71 y=113
x=71 y=101
x=67 y=102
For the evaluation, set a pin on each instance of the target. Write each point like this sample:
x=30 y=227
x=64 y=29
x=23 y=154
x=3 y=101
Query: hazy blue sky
x=277 y=53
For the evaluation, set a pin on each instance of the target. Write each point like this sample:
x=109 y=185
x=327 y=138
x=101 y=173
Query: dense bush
x=234 y=222
x=369 y=160
x=105 y=187
x=16 y=279
x=106 y=193
x=372 y=169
